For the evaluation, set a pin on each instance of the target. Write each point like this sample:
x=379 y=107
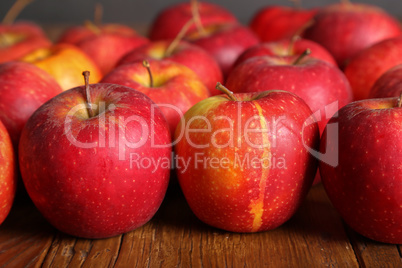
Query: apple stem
x=304 y=54
x=297 y=3
x=292 y=43
x=197 y=19
x=14 y=11
x=400 y=101
x=146 y=64
x=178 y=38
x=225 y=90
x=98 y=14
x=93 y=27
x=88 y=93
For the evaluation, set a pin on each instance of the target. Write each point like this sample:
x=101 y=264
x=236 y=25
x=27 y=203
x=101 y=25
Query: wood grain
x=315 y=236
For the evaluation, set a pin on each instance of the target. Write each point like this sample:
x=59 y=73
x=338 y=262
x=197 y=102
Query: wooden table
x=314 y=237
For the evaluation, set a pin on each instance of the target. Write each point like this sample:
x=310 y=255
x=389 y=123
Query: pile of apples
x=94 y=123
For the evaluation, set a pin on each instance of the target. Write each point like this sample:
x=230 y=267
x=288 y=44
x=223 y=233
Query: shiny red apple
x=190 y=55
x=365 y=186
x=389 y=84
x=8 y=183
x=173 y=86
x=368 y=65
x=248 y=168
x=171 y=20
x=273 y=23
x=96 y=161
x=346 y=28
x=23 y=89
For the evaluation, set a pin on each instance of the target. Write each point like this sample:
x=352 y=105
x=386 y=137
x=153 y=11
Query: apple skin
x=389 y=84
x=77 y=170
x=367 y=66
x=23 y=87
x=105 y=44
x=274 y=23
x=246 y=198
x=174 y=84
x=65 y=63
x=225 y=43
x=317 y=82
x=366 y=185
x=8 y=183
x=347 y=28
x=171 y=20
x=284 y=47
x=190 y=55
x=19 y=39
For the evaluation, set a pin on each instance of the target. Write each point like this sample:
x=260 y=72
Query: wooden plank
x=374 y=254
x=314 y=236
x=25 y=236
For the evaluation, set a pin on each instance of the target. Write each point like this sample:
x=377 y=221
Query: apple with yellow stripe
x=242 y=159
x=8 y=183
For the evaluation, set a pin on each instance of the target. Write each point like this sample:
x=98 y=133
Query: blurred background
x=142 y=12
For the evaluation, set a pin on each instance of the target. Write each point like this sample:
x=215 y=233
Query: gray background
x=143 y=11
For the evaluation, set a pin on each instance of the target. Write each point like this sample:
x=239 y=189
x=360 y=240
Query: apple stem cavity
x=197 y=19
x=92 y=26
x=178 y=38
x=400 y=101
x=304 y=54
x=88 y=93
x=225 y=90
x=146 y=64
x=98 y=14
x=14 y=11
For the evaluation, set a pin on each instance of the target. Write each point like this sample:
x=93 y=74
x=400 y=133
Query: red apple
x=65 y=63
x=192 y=56
x=287 y=47
x=174 y=87
x=19 y=38
x=366 y=184
x=8 y=184
x=347 y=28
x=389 y=84
x=23 y=88
x=368 y=65
x=96 y=169
x=224 y=42
x=274 y=23
x=318 y=83
x=104 y=44
x=171 y=20
x=248 y=168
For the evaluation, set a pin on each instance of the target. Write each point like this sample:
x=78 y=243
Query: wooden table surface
x=314 y=237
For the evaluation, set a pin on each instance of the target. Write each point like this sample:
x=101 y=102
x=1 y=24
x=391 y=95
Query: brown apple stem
x=98 y=14
x=400 y=101
x=304 y=54
x=292 y=44
x=90 y=25
x=178 y=37
x=304 y=27
x=225 y=90
x=197 y=19
x=146 y=64
x=88 y=93
x=14 y=11
x=297 y=3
